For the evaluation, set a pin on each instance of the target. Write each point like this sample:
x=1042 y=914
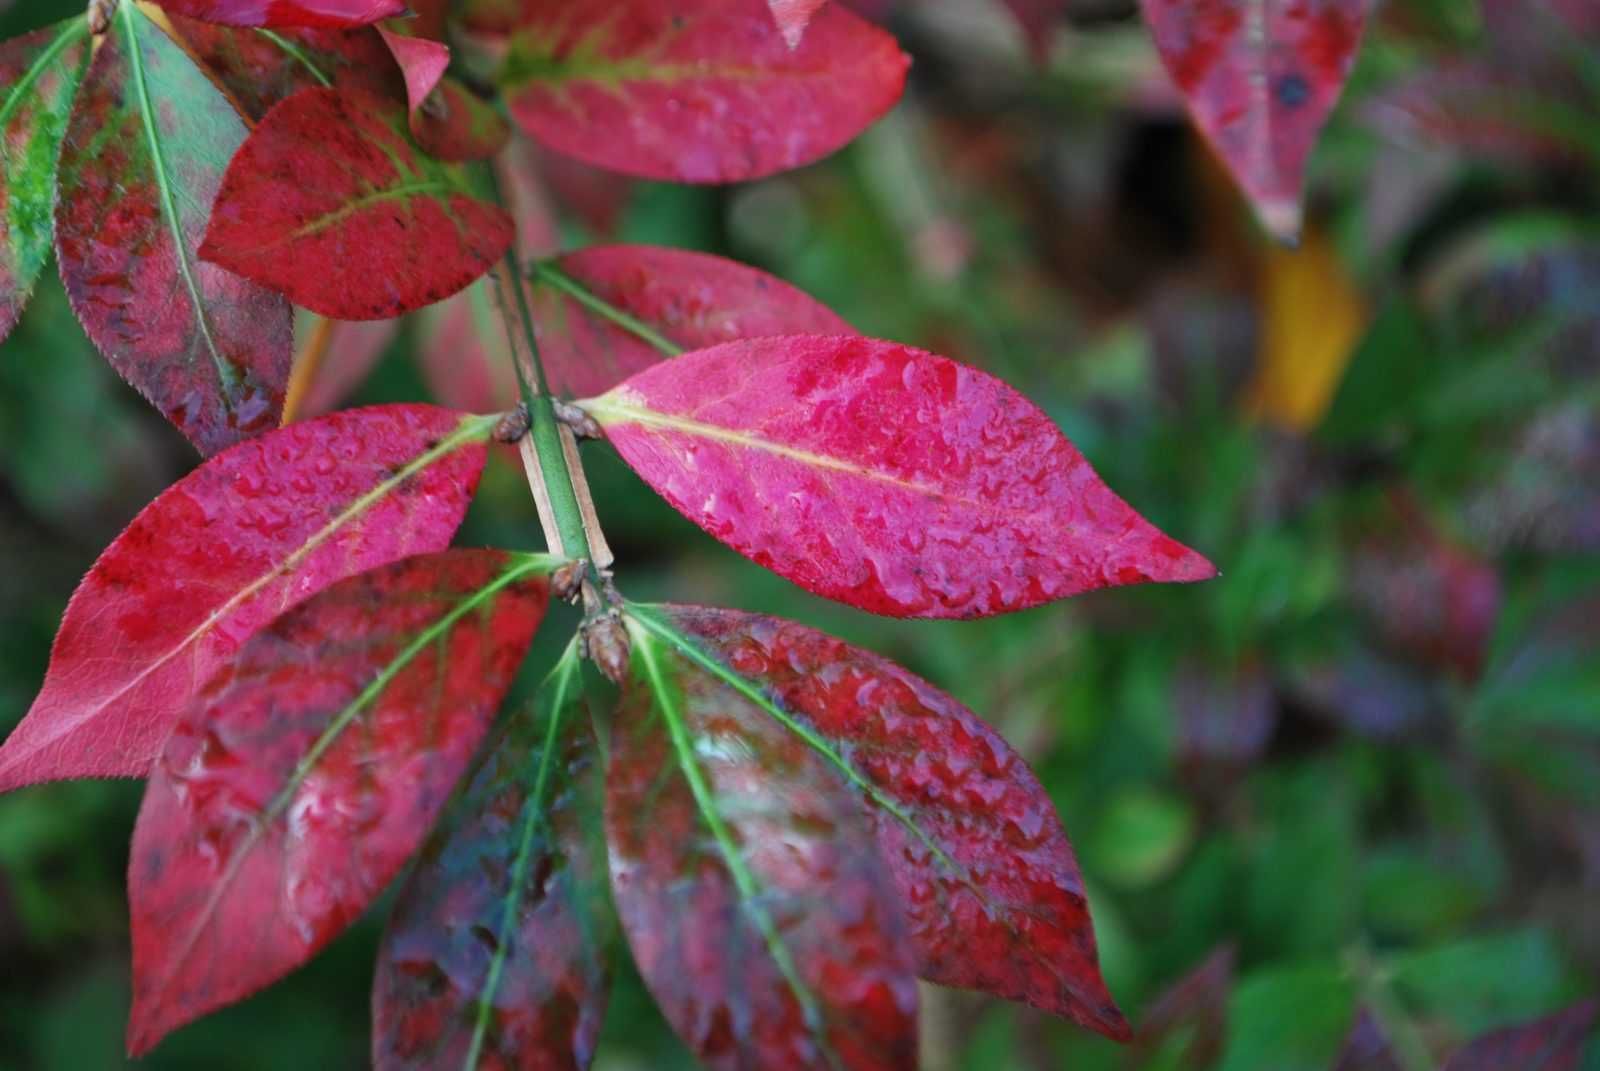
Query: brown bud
x=606 y=643
x=513 y=425
x=100 y=12
x=567 y=581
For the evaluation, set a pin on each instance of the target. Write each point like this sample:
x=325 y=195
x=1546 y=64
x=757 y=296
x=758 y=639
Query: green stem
x=547 y=272
x=1410 y=1050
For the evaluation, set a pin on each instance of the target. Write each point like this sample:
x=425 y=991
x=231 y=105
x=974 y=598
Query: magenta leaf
x=310 y=767
x=1260 y=78
x=495 y=954
x=332 y=202
x=219 y=555
x=607 y=312
x=143 y=158
x=696 y=90
x=758 y=913
x=985 y=874
x=882 y=476
x=793 y=16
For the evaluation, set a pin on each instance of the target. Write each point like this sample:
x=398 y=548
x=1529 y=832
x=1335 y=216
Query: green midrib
x=749 y=888
x=560 y=683
x=521 y=566
x=227 y=375
x=72 y=31
x=296 y=53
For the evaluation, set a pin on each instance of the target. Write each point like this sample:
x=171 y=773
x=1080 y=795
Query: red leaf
x=455 y=124
x=218 y=556
x=309 y=768
x=1555 y=1043
x=331 y=202
x=793 y=16
x=1038 y=20
x=882 y=476
x=326 y=13
x=258 y=70
x=495 y=955
x=696 y=90
x=1196 y=1003
x=681 y=300
x=1260 y=77
x=422 y=62
x=985 y=873
x=759 y=916
x=143 y=158
x=39 y=73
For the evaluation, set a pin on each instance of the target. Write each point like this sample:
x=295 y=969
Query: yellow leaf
x=1312 y=317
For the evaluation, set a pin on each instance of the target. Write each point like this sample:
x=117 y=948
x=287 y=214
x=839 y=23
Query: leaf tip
x=1282 y=218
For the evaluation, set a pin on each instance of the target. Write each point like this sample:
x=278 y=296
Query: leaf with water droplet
x=759 y=916
x=670 y=300
x=696 y=90
x=495 y=954
x=332 y=201
x=1260 y=78
x=310 y=767
x=220 y=554
x=40 y=73
x=323 y=13
x=882 y=476
x=144 y=155
x=793 y=16
x=984 y=872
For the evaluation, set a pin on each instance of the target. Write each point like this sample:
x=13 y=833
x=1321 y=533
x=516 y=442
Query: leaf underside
x=983 y=869
x=218 y=556
x=332 y=202
x=495 y=954
x=757 y=912
x=308 y=770
x=696 y=90
x=882 y=476
x=144 y=155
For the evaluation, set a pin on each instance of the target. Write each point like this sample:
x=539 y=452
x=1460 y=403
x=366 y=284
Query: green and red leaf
x=758 y=912
x=310 y=767
x=332 y=202
x=882 y=476
x=985 y=873
x=40 y=73
x=143 y=158
x=607 y=312
x=258 y=69
x=696 y=90
x=495 y=955
x=279 y=13
x=1261 y=78
x=219 y=555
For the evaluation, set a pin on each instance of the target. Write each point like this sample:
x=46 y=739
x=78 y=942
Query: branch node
x=577 y=418
x=605 y=638
x=100 y=12
x=513 y=425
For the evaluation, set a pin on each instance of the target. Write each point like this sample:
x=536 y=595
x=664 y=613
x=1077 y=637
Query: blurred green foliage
x=1367 y=758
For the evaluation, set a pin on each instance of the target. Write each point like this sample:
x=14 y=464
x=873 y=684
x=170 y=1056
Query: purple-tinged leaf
x=309 y=769
x=882 y=476
x=987 y=878
x=1196 y=1003
x=39 y=73
x=495 y=954
x=144 y=156
x=1367 y=1047
x=759 y=916
x=1555 y=1043
x=219 y=555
